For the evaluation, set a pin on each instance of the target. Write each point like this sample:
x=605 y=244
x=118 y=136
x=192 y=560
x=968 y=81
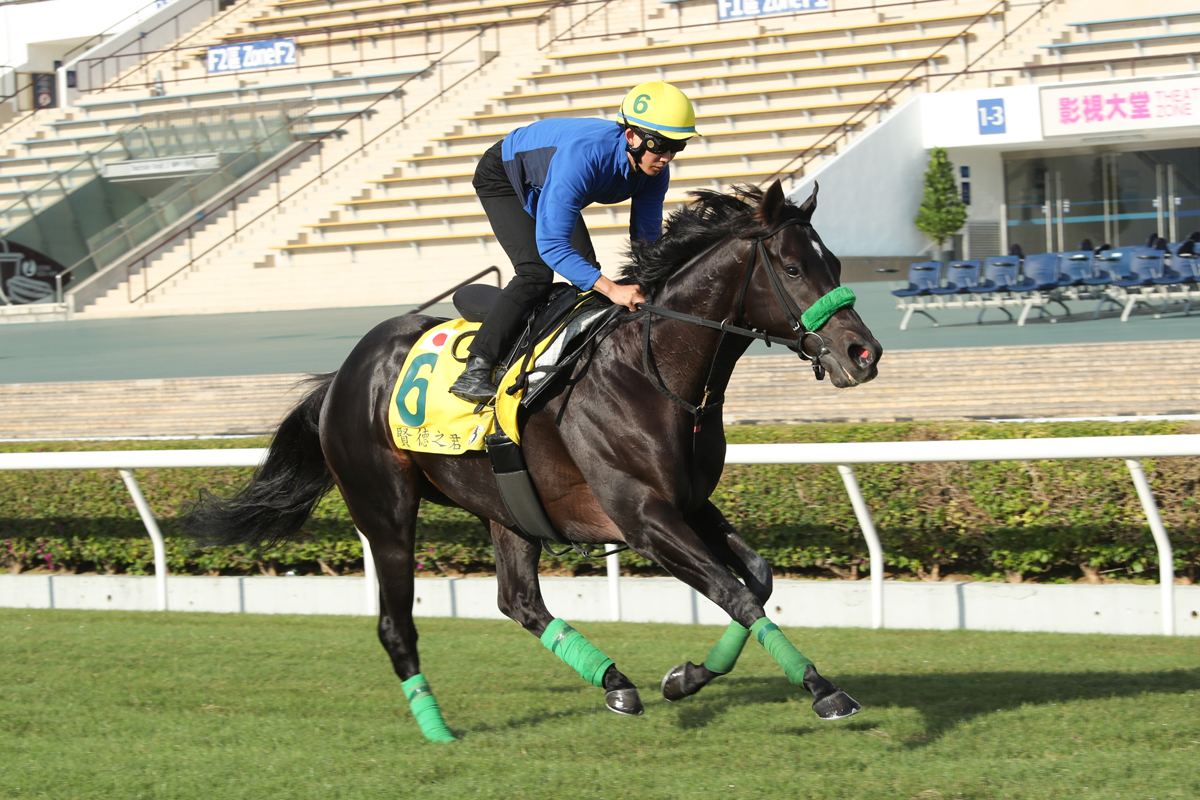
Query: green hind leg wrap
x=424 y=707
x=576 y=651
x=725 y=652
x=783 y=651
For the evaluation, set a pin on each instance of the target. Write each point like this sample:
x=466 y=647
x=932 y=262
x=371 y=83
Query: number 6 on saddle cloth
x=424 y=416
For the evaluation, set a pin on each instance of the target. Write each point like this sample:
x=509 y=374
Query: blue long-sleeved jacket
x=560 y=166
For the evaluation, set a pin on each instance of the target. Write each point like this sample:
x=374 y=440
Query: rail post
x=874 y=546
x=371 y=579
x=613 y=561
x=1166 y=556
x=160 y=547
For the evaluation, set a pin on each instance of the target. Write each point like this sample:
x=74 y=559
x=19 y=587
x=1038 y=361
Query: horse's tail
x=285 y=488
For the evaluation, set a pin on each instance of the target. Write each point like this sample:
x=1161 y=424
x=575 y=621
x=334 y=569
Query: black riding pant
x=516 y=232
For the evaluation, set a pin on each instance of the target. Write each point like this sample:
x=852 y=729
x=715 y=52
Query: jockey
x=533 y=185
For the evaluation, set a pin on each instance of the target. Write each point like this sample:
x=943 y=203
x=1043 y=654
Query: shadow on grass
x=944 y=700
x=529 y=720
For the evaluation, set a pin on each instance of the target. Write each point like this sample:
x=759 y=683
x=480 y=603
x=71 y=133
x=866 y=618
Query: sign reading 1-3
x=991 y=116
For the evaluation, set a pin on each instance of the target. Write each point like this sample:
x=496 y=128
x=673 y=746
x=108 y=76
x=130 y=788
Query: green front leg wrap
x=725 y=652
x=783 y=651
x=424 y=707
x=576 y=651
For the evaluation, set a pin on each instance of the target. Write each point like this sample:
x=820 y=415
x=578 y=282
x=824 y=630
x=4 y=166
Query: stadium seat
x=355 y=12
x=1146 y=264
x=1074 y=268
x=1039 y=274
x=999 y=273
x=1112 y=265
x=1180 y=280
x=960 y=277
x=1038 y=286
x=1137 y=41
x=923 y=278
x=1183 y=265
x=723 y=43
x=892 y=48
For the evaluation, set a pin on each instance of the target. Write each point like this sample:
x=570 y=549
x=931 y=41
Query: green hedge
x=1055 y=521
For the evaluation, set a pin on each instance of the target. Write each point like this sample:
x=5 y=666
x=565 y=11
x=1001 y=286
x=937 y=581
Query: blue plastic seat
x=999 y=273
x=1144 y=268
x=960 y=277
x=1040 y=274
x=1184 y=266
x=1114 y=265
x=1074 y=267
x=923 y=277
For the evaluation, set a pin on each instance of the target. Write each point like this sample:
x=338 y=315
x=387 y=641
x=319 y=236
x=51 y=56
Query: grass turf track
x=141 y=705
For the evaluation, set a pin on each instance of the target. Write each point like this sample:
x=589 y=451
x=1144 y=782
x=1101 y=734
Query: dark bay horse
x=614 y=460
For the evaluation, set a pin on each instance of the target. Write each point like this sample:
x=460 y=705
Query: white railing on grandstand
x=1130 y=448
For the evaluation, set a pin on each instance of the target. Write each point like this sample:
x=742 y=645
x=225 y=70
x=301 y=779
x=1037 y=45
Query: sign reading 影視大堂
x=251 y=55
x=1124 y=106
x=737 y=9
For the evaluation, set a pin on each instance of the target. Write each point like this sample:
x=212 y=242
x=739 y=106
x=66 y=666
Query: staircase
x=1024 y=58
x=1077 y=380
x=1083 y=380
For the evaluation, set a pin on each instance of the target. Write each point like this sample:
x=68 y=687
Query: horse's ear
x=810 y=205
x=771 y=204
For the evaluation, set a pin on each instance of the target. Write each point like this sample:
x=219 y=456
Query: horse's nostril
x=860 y=355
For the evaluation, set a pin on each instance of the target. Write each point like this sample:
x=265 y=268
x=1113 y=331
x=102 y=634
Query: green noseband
x=820 y=312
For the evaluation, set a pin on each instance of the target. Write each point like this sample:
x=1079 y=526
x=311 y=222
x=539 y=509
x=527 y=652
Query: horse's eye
x=792 y=271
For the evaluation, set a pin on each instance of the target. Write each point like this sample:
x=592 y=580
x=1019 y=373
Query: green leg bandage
x=576 y=651
x=775 y=643
x=425 y=708
x=727 y=649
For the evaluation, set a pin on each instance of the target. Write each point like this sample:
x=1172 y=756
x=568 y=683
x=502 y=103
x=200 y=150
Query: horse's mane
x=710 y=218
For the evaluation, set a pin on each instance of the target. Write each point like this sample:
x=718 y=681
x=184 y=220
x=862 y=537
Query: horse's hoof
x=672 y=683
x=625 y=701
x=685 y=680
x=829 y=702
x=838 y=705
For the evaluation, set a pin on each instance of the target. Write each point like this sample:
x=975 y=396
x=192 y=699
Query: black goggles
x=660 y=144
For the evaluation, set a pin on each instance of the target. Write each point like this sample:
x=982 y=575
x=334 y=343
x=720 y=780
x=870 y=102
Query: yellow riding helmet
x=659 y=107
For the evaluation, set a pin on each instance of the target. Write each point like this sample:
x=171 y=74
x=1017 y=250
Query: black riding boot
x=475 y=385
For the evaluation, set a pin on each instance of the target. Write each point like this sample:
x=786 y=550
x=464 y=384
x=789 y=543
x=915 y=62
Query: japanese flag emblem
x=437 y=339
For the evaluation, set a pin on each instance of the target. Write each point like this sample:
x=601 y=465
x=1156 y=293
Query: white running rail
x=1130 y=448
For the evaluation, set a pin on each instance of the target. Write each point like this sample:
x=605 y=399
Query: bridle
x=804 y=323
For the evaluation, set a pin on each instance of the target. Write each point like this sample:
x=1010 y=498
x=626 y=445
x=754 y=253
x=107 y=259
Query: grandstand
x=335 y=171
x=431 y=86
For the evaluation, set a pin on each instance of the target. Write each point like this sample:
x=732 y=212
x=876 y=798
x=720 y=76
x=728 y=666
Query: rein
x=804 y=323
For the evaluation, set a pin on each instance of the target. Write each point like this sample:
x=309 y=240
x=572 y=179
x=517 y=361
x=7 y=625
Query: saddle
x=424 y=417
x=554 y=338
x=555 y=335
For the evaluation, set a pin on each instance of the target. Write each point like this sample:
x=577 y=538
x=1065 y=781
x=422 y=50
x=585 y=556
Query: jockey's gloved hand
x=628 y=295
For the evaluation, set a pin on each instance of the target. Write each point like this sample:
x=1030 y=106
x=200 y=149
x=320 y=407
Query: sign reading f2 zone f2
x=737 y=9
x=252 y=55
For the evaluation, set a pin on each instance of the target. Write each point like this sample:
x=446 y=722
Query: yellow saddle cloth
x=424 y=416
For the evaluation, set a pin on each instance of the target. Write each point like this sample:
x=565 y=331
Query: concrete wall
x=1121 y=609
x=159 y=29
x=36 y=34
x=871 y=190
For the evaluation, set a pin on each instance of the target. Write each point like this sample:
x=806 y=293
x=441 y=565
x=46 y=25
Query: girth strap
x=521 y=498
